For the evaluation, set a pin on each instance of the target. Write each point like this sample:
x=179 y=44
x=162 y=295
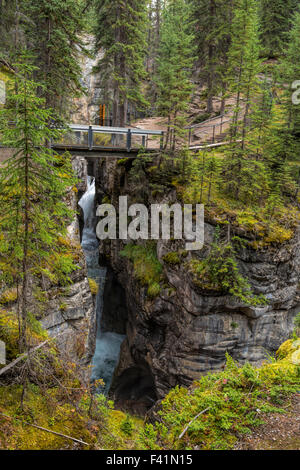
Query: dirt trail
x=280 y=431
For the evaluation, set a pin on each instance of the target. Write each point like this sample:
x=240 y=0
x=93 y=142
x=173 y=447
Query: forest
x=142 y=345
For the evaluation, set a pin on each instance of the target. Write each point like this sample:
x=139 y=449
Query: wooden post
x=214 y=133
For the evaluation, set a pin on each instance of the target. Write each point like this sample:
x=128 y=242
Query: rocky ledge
x=185 y=332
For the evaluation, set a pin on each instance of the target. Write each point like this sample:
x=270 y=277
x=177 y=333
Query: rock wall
x=185 y=332
x=85 y=109
x=70 y=314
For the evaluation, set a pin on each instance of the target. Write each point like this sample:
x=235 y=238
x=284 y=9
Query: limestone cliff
x=69 y=313
x=185 y=331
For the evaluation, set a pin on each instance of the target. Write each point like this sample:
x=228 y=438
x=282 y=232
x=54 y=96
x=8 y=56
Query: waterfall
x=107 y=343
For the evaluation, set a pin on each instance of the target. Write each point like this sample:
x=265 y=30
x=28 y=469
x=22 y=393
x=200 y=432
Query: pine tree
x=33 y=185
x=54 y=36
x=174 y=67
x=243 y=68
x=154 y=25
x=121 y=33
x=212 y=23
x=276 y=19
x=290 y=73
x=283 y=143
x=7 y=20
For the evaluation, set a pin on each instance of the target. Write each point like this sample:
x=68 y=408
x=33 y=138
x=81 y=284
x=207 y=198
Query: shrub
x=94 y=287
x=127 y=426
x=147 y=268
x=227 y=403
x=220 y=272
x=8 y=296
x=172 y=258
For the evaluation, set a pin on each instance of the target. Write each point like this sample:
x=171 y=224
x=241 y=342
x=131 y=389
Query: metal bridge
x=112 y=141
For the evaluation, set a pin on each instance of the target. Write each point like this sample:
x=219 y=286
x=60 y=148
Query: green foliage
x=33 y=185
x=276 y=19
x=174 y=67
x=212 y=25
x=235 y=401
x=7 y=20
x=127 y=426
x=9 y=332
x=147 y=268
x=93 y=286
x=8 y=296
x=297 y=322
x=120 y=32
x=54 y=31
x=172 y=258
x=220 y=272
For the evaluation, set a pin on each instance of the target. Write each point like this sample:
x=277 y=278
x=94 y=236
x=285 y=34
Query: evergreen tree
x=174 y=67
x=276 y=18
x=283 y=143
x=243 y=68
x=33 y=185
x=121 y=33
x=7 y=20
x=54 y=36
x=290 y=73
x=212 y=23
x=154 y=25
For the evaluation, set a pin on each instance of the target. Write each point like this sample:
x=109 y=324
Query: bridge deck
x=80 y=137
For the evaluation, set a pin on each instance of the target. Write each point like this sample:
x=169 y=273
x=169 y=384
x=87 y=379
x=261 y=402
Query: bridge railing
x=118 y=138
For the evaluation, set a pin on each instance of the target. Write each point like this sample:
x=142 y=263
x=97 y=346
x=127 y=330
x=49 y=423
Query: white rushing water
x=107 y=343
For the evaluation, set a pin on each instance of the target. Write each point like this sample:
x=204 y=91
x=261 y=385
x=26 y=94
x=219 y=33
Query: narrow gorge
x=185 y=331
x=149 y=227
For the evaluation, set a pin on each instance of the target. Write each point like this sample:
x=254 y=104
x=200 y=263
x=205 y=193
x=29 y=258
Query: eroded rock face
x=85 y=109
x=70 y=313
x=186 y=332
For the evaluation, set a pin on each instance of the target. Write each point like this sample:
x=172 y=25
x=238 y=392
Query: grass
x=147 y=268
x=235 y=401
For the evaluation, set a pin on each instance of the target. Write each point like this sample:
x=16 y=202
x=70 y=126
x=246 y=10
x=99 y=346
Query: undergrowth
x=147 y=268
x=231 y=403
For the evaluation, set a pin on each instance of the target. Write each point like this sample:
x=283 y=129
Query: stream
x=108 y=344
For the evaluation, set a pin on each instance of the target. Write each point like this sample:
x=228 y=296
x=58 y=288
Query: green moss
x=172 y=258
x=220 y=272
x=229 y=402
x=106 y=200
x=9 y=296
x=122 y=161
x=9 y=332
x=63 y=307
x=154 y=290
x=94 y=287
x=58 y=417
x=147 y=268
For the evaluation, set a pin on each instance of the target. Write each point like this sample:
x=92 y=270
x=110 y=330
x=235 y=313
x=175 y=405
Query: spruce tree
x=121 y=33
x=212 y=25
x=276 y=20
x=174 y=67
x=54 y=35
x=284 y=137
x=290 y=73
x=33 y=184
x=244 y=66
x=7 y=21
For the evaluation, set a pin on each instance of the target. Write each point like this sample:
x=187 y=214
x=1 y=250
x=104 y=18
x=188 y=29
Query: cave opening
x=134 y=390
